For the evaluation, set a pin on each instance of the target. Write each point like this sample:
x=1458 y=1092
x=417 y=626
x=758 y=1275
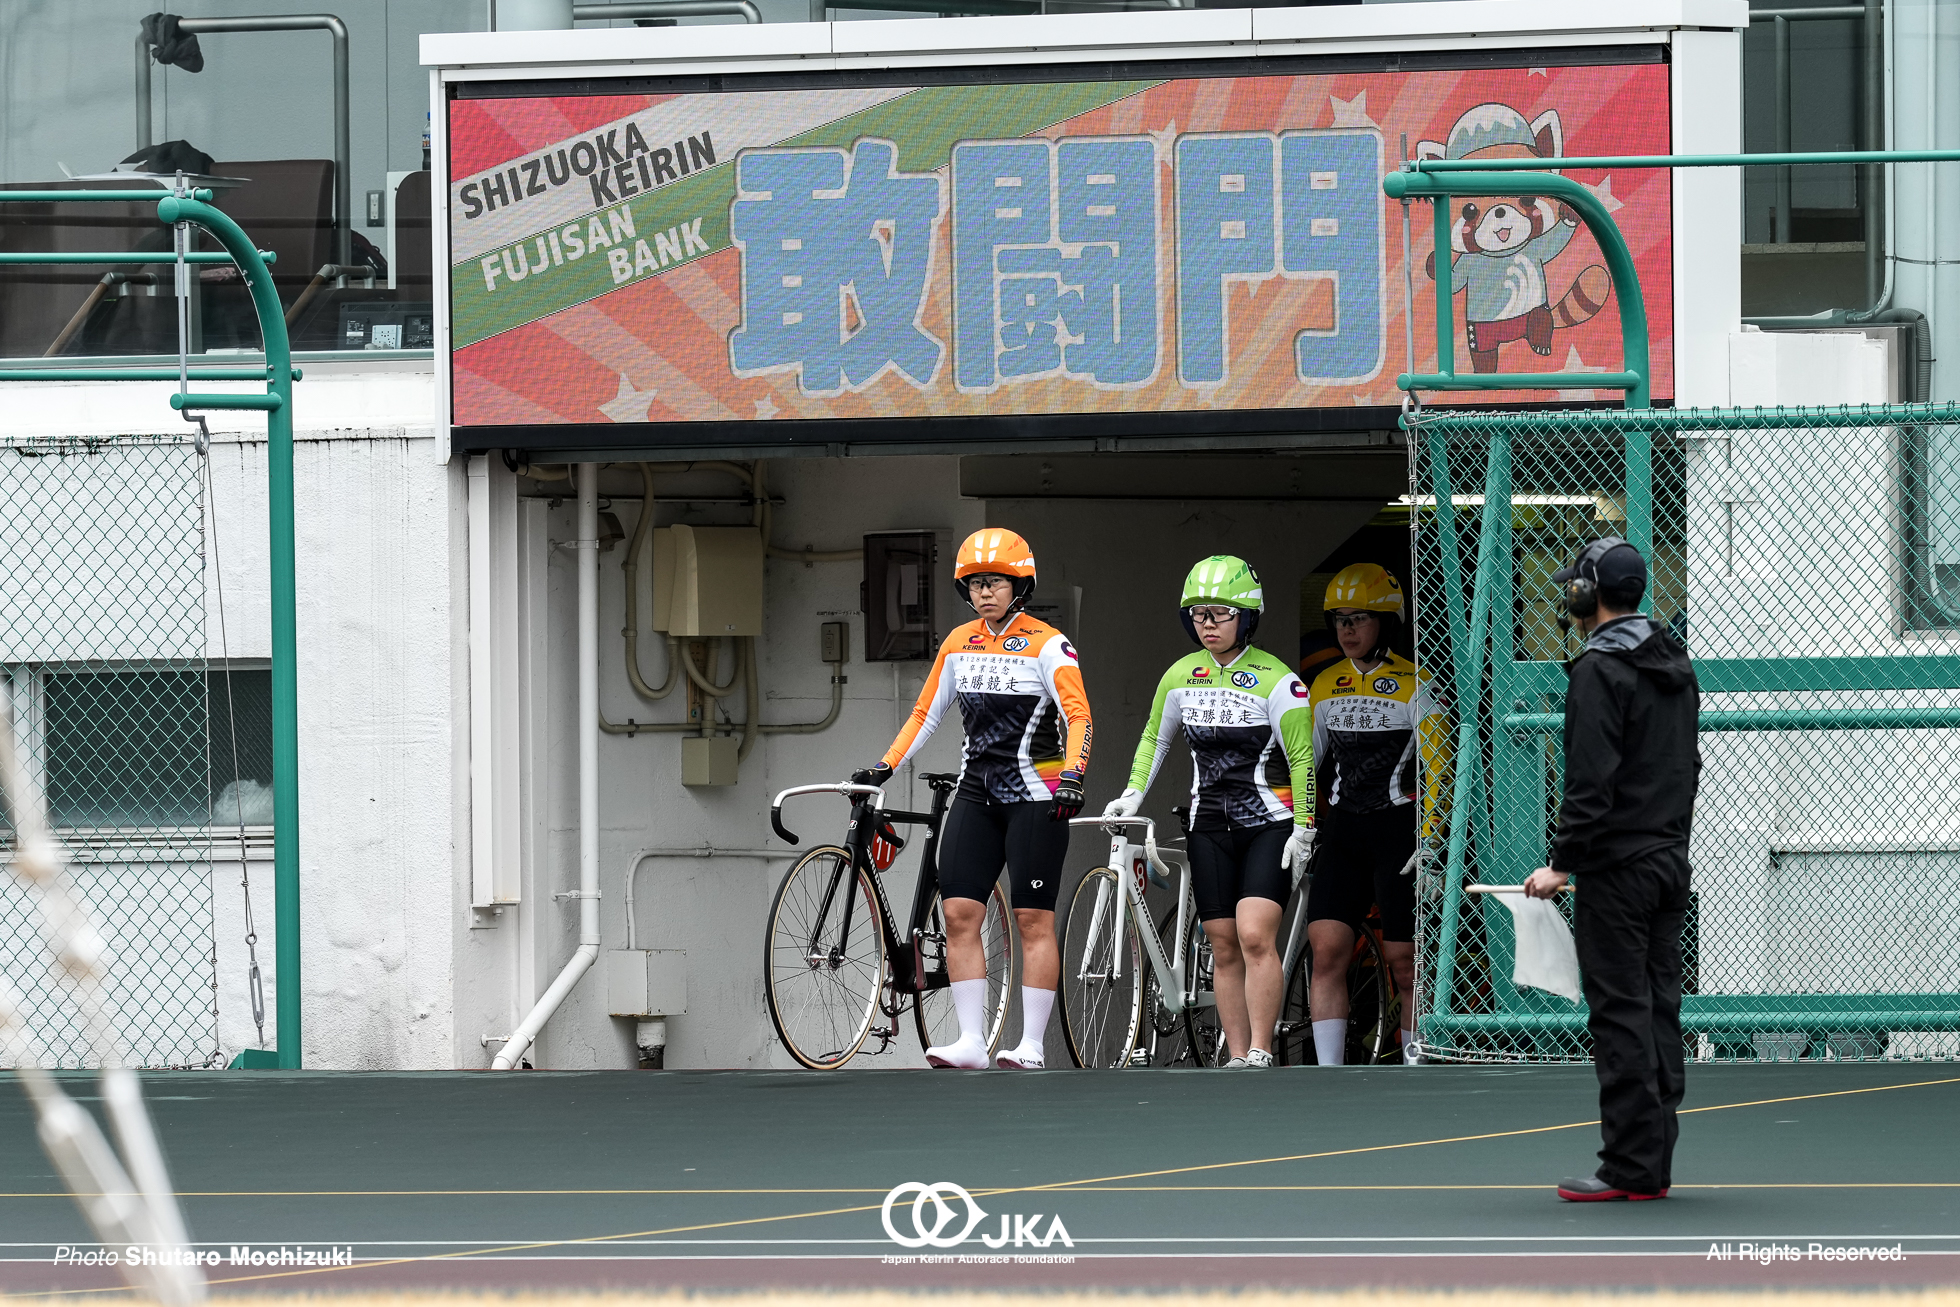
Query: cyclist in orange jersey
x=1026 y=718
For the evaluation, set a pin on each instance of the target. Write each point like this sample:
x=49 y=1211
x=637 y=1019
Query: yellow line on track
x=1040 y=1188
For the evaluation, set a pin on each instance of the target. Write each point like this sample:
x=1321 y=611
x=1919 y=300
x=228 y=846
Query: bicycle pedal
x=1139 y=1057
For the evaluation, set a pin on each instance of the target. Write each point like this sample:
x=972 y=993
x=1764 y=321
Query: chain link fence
x=103 y=658
x=1810 y=562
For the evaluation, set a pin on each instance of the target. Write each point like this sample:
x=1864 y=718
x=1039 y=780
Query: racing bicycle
x=834 y=962
x=1137 y=992
x=1374 y=1008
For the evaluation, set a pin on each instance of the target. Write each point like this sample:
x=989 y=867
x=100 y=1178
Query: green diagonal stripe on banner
x=923 y=123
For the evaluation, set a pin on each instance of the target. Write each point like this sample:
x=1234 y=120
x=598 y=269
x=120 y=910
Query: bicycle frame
x=1173 y=991
x=868 y=818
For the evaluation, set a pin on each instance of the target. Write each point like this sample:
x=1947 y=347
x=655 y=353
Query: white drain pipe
x=588 y=775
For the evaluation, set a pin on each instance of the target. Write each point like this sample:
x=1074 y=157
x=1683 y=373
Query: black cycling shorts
x=1240 y=862
x=980 y=836
x=1358 y=862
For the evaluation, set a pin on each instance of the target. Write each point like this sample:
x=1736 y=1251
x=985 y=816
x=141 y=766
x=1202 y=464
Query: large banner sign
x=1066 y=247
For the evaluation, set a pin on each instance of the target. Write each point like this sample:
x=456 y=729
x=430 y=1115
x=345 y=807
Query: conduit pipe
x=588 y=776
x=630 y=565
x=684 y=851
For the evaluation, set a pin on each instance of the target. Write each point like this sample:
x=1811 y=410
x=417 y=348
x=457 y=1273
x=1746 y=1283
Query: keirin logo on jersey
x=933 y=1215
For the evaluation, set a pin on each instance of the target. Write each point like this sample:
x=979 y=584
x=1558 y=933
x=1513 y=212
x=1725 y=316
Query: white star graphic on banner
x=1573 y=363
x=1605 y=193
x=765 y=408
x=1352 y=113
x=629 y=405
x=1536 y=72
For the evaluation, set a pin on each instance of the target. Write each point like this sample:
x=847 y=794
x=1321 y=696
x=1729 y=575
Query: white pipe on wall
x=588 y=775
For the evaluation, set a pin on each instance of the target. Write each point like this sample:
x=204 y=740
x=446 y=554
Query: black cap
x=1610 y=563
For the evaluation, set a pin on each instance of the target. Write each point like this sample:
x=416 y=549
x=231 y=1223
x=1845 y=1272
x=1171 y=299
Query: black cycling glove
x=1068 y=797
x=876 y=774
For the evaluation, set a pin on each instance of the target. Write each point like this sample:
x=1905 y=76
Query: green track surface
x=1443 y=1172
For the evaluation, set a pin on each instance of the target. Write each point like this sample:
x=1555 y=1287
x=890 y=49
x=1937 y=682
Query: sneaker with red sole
x=1592 y=1189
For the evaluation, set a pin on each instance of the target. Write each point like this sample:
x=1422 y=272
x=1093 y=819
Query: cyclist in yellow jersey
x=1373 y=717
x=1244 y=714
x=1018 y=684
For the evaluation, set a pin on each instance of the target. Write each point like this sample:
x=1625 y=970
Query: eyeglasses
x=988 y=582
x=1212 y=616
x=1351 y=621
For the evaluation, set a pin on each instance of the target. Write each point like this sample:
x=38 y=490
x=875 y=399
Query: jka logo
x=1386 y=685
x=1244 y=680
x=933 y=1228
x=1014 y=643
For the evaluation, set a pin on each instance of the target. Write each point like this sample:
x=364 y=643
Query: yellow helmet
x=1368 y=586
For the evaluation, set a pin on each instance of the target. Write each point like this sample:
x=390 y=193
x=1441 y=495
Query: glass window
x=255 y=115
x=155 y=746
x=1804 y=247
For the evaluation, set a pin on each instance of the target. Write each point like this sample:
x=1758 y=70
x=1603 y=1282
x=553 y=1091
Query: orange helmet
x=996 y=551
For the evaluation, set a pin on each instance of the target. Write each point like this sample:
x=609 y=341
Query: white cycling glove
x=1299 y=848
x=1418 y=860
x=1125 y=804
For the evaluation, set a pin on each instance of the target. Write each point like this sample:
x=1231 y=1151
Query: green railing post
x=285 y=640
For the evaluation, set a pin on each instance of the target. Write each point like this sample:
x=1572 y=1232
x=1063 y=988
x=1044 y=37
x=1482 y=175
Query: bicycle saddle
x=939 y=780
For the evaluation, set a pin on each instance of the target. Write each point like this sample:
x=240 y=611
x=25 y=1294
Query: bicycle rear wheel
x=1102 y=1006
x=932 y=1009
x=1372 y=1010
x=823 y=987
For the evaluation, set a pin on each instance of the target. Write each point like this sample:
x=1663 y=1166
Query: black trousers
x=1628 y=932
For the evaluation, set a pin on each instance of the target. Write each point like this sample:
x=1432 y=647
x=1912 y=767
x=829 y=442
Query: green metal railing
x=1854 y=487
x=194 y=209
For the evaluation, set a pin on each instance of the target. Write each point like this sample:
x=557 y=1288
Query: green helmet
x=1223 y=579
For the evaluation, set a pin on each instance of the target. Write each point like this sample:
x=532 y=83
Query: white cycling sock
x=1036 y=1004
x=970 y=1001
x=1330 y=1041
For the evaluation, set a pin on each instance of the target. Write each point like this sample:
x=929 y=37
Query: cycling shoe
x=1027 y=1057
x=967 y=1053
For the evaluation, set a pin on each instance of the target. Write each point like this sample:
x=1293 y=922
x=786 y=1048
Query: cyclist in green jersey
x=1245 y=715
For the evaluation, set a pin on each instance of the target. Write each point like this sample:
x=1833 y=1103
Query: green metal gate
x=1803 y=558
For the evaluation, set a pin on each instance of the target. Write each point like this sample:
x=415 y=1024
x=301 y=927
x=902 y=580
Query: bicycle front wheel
x=932 y=1012
x=823 y=985
x=1203 y=1033
x=1102 y=1006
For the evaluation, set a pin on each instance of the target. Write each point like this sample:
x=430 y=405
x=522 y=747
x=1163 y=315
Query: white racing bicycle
x=1137 y=992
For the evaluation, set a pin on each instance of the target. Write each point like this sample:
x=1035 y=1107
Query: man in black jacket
x=1631 y=766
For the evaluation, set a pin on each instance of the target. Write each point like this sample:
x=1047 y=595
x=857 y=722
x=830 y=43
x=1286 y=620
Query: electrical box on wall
x=646 y=982
x=897 y=597
x=708 y=759
x=707 y=580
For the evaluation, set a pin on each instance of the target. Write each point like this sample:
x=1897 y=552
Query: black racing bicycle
x=834 y=962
